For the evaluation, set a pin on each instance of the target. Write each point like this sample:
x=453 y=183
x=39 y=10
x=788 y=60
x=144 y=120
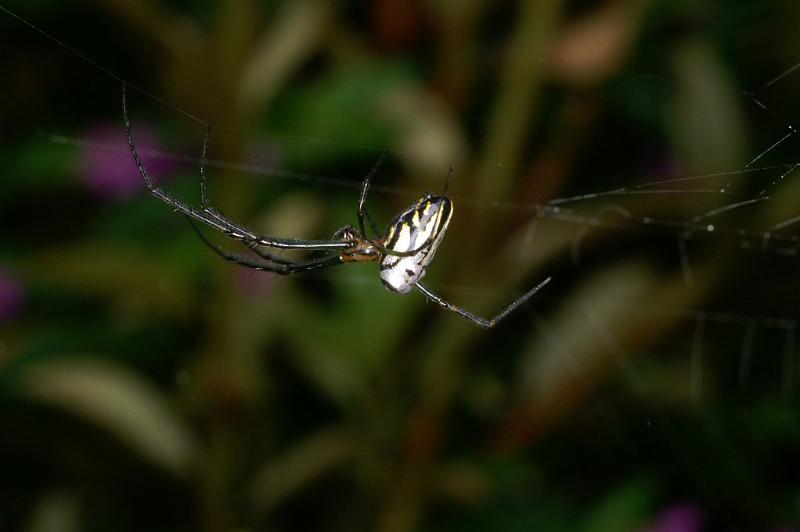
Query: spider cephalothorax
x=362 y=249
x=404 y=251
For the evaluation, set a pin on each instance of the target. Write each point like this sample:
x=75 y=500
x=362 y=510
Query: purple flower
x=107 y=167
x=12 y=295
x=685 y=517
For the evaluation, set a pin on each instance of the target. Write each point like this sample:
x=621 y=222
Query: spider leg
x=447 y=180
x=214 y=219
x=253 y=246
x=278 y=266
x=363 y=213
x=362 y=200
x=210 y=211
x=375 y=230
x=217 y=249
x=203 y=197
x=477 y=320
x=207 y=209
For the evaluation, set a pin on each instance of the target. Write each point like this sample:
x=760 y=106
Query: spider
x=404 y=251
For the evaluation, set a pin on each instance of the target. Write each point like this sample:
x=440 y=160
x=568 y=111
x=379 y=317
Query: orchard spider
x=404 y=251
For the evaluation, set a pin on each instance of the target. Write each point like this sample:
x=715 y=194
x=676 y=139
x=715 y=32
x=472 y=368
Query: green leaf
x=338 y=116
x=625 y=508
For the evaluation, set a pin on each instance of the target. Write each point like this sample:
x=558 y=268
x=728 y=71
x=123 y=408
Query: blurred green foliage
x=147 y=385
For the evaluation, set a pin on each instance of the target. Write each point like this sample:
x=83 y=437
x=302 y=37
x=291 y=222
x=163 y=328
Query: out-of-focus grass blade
x=55 y=512
x=113 y=271
x=339 y=368
x=598 y=327
x=295 y=34
x=281 y=477
x=117 y=401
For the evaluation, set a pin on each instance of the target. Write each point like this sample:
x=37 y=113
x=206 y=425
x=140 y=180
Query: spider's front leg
x=216 y=220
x=362 y=200
x=211 y=211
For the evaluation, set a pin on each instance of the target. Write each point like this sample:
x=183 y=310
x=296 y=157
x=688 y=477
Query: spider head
x=361 y=249
x=348 y=233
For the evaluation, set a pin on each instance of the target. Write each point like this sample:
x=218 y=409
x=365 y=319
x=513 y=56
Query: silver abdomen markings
x=420 y=226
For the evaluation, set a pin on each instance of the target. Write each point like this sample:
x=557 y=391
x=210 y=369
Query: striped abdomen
x=423 y=223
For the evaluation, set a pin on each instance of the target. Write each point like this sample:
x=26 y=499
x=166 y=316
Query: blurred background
x=641 y=152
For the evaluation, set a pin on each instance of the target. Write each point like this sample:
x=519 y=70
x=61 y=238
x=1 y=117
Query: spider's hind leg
x=477 y=320
x=447 y=180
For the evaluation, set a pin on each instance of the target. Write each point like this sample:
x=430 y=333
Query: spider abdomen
x=421 y=226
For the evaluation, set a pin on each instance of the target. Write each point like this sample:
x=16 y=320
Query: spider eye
x=347 y=234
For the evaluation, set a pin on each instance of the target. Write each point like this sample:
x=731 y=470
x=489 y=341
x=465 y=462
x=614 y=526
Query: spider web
x=725 y=213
